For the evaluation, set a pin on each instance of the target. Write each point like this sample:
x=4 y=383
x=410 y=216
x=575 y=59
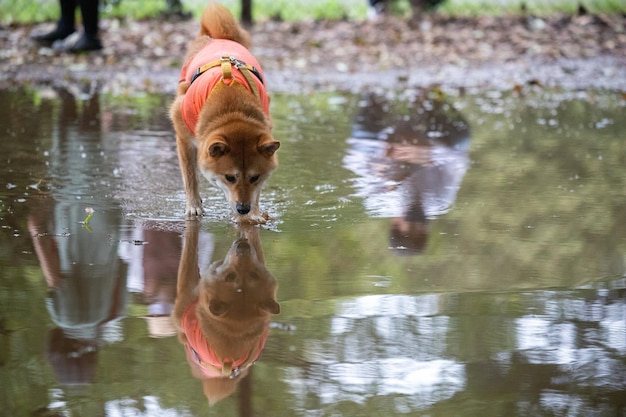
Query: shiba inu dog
x=221 y=117
x=222 y=317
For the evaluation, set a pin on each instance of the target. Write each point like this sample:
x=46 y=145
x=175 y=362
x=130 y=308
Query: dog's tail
x=219 y=23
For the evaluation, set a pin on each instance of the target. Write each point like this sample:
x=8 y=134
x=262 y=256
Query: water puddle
x=430 y=252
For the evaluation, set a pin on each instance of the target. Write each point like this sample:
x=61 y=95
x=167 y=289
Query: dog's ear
x=268 y=149
x=218 y=308
x=217 y=149
x=270 y=306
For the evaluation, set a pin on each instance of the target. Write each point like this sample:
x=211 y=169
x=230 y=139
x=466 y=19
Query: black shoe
x=85 y=43
x=49 y=38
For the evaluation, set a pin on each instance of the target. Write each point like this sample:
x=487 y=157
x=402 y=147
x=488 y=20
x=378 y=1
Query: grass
x=536 y=7
x=33 y=11
x=302 y=9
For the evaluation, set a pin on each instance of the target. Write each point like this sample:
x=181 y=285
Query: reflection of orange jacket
x=202 y=86
x=200 y=352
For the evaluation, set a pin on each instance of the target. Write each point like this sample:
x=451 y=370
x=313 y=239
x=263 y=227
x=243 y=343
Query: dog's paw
x=255 y=218
x=194 y=210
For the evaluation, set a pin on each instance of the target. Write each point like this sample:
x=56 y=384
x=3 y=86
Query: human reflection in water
x=409 y=164
x=153 y=258
x=86 y=278
x=223 y=315
x=86 y=281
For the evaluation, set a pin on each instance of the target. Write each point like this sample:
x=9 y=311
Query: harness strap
x=227 y=62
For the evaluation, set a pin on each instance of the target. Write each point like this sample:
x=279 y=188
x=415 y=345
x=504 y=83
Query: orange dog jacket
x=200 y=352
x=224 y=62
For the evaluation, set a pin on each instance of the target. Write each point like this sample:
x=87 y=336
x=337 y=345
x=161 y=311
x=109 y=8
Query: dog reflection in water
x=223 y=316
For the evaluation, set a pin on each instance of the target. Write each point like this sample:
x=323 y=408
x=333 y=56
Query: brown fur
x=236 y=298
x=233 y=146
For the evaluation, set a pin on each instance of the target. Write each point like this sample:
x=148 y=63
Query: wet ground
x=392 y=53
x=438 y=252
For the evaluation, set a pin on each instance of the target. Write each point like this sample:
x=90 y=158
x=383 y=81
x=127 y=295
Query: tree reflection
x=536 y=353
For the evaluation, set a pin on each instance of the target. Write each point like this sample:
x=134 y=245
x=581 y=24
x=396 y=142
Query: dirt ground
x=502 y=52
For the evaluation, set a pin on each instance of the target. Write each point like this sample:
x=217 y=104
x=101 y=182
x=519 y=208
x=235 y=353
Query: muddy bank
x=569 y=51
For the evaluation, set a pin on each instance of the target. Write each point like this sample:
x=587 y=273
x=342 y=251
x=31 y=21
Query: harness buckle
x=238 y=64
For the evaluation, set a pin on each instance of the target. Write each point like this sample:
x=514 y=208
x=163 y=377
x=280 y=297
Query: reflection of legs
x=90 y=117
x=65 y=25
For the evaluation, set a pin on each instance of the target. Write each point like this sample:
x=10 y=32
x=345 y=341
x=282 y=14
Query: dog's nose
x=243 y=208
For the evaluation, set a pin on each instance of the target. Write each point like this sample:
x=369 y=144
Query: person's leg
x=174 y=11
x=89 y=11
x=67 y=23
x=65 y=26
x=89 y=40
x=174 y=6
x=376 y=8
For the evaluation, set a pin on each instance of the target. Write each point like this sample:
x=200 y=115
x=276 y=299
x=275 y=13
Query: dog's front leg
x=252 y=234
x=188 y=160
x=187 y=157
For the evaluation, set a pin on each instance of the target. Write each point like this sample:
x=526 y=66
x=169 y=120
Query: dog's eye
x=230 y=178
x=254 y=179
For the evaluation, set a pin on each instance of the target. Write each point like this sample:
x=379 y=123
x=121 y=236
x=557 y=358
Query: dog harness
x=220 y=63
x=200 y=352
